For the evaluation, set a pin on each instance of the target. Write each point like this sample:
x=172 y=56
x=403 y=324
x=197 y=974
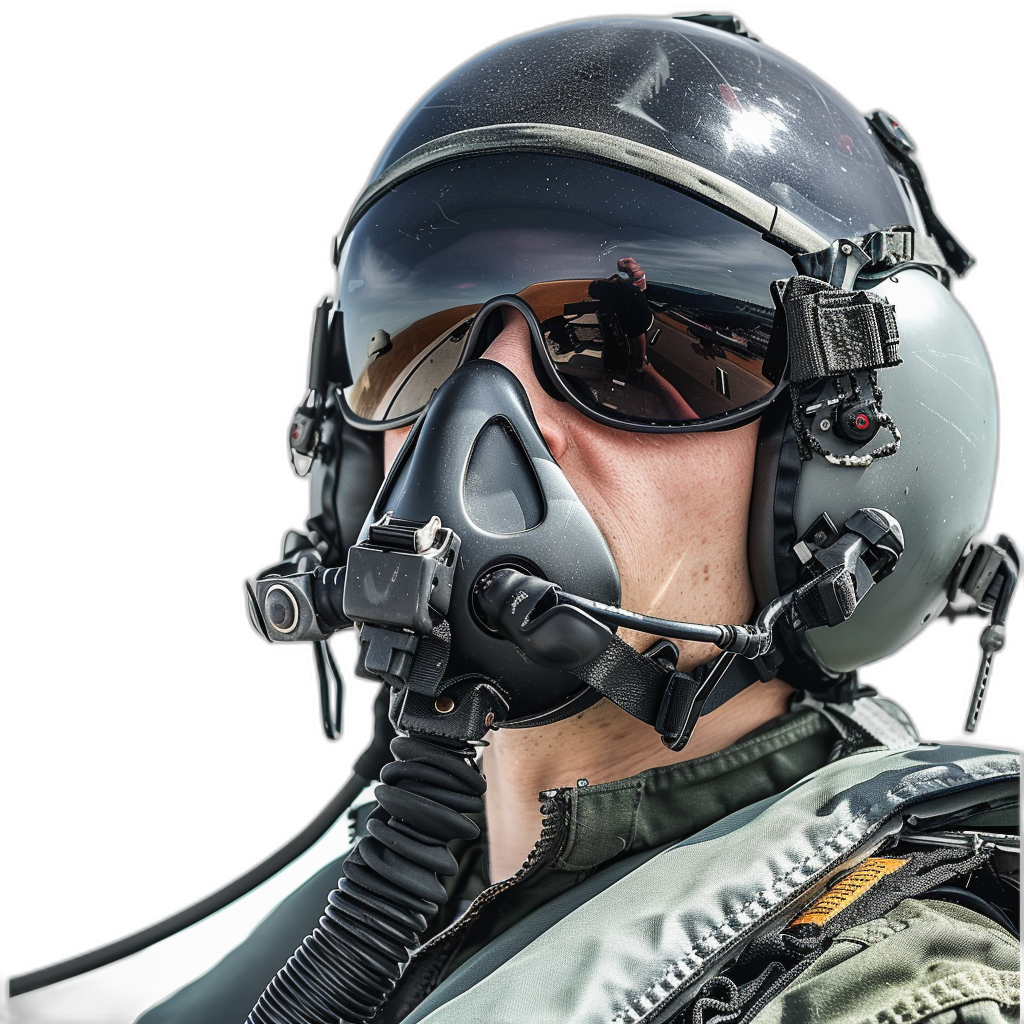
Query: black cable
x=720 y=636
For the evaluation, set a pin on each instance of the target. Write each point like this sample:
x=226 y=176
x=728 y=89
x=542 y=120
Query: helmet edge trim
x=564 y=140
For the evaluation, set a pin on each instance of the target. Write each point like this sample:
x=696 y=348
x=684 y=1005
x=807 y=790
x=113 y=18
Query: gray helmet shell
x=938 y=485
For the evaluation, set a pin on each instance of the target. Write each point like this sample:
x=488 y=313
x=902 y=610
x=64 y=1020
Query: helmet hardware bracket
x=837 y=335
x=304 y=434
x=899 y=145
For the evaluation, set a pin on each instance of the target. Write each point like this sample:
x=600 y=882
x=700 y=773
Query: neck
x=603 y=744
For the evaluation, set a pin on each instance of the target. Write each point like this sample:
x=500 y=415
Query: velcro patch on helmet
x=836 y=335
x=834 y=332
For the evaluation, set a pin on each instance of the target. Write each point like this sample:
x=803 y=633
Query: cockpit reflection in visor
x=603 y=345
x=552 y=232
x=653 y=352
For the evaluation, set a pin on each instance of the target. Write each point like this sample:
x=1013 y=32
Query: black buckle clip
x=684 y=699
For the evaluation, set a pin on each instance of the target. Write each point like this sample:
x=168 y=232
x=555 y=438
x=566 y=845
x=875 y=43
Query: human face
x=672 y=507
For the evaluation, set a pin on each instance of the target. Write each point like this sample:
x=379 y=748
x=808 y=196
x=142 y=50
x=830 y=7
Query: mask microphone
x=558 y=629
x=539 y=617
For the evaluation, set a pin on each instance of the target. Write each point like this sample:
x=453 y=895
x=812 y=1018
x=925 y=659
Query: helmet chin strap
x=553 y=627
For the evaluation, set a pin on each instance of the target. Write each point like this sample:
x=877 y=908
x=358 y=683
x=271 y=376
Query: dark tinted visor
x=687 y=349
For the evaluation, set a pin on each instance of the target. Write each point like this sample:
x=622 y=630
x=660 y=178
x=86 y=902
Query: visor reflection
x=655 y=308
x=646 y=354
x=400 y=381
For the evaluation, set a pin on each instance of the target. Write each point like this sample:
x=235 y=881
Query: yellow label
x=850 y=888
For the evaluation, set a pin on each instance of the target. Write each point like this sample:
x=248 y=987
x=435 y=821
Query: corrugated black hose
x=347 y=968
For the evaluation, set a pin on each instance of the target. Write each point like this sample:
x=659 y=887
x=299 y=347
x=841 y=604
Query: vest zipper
x=554 y=811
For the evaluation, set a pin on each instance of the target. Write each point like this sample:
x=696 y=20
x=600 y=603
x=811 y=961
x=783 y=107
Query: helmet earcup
x=938 y=485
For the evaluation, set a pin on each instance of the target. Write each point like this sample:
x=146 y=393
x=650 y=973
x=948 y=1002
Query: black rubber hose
x=345 y=970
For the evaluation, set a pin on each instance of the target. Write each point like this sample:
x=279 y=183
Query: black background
x=156 y=748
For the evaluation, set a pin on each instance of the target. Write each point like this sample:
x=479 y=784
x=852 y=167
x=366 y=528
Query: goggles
x=649 y=309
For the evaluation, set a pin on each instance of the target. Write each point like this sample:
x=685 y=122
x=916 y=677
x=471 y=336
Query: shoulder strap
x=867 y=721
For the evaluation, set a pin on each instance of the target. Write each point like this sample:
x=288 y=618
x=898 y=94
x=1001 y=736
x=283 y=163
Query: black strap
x=671 y=701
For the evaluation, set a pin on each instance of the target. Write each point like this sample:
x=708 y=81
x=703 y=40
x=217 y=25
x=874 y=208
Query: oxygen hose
x=345 y=970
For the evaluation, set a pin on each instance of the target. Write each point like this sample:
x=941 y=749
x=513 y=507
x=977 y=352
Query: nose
x=512 y=348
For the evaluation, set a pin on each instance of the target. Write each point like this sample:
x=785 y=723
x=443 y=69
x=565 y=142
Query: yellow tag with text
x=850 y=888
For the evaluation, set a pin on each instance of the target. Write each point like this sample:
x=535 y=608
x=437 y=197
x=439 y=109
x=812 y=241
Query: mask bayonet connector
x=868 y=548
x=402 y=574
x=386 y=654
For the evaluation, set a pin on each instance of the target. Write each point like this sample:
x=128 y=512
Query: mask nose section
x=501 y=492
x=469 y=438
x=478 y=461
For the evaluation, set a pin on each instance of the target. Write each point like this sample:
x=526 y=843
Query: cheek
x=668 y=504
x=393 y=441
x=665 y=478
